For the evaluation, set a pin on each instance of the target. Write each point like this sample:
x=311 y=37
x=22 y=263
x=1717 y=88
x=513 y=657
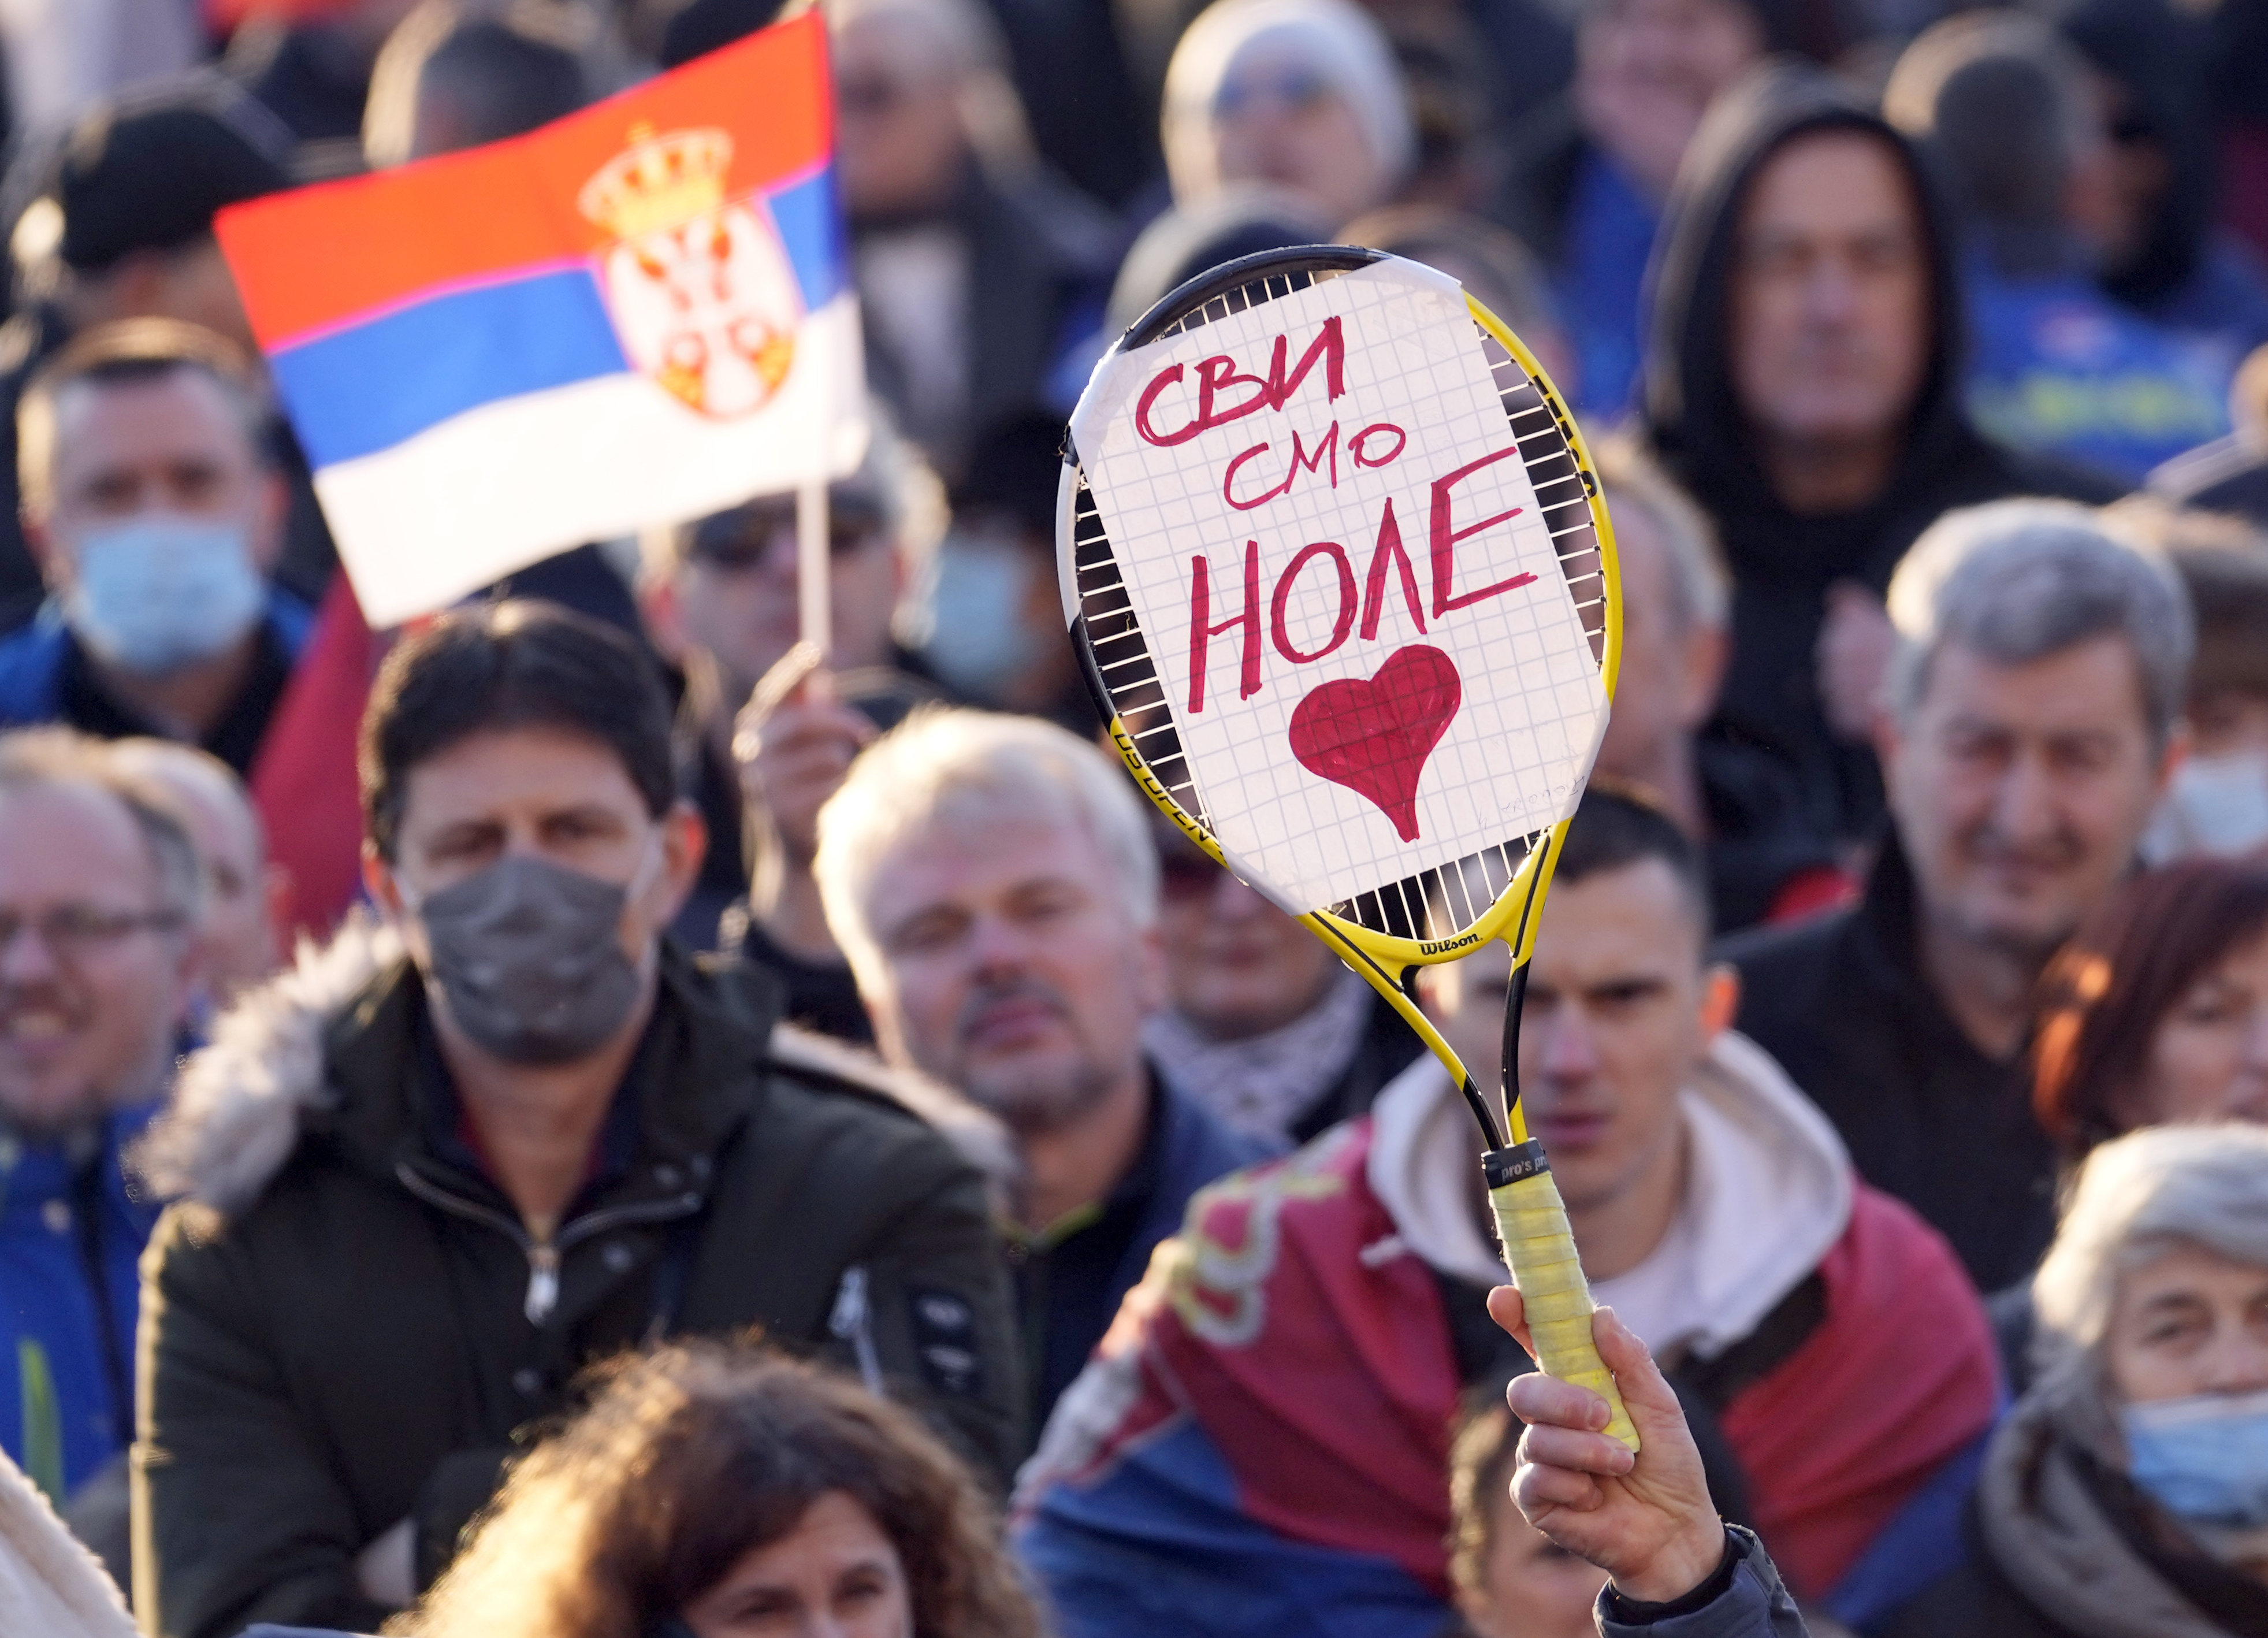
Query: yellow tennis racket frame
x=1531 y=1219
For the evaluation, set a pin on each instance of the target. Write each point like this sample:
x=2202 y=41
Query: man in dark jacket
x=992 y=880
x=437 y=1171
x=1802 y=382
x=156 y=520
x=2032 y=726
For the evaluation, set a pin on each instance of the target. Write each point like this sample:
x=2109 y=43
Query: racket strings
x=1122 y=659
x=1244 y=298
x=1440 y=903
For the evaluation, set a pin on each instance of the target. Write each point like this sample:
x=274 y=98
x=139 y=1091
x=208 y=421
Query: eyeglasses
x=739 y=540
x=1294 y=90
x=73 y=932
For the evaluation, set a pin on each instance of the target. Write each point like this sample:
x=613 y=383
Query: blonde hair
x=960 y=768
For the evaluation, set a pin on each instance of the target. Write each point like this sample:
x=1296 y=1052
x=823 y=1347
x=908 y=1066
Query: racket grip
x=1539 y=1248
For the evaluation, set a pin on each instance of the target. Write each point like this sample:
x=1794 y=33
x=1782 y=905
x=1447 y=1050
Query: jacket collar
x=693 y=1078
x=323 y=1048
x=1889 y=950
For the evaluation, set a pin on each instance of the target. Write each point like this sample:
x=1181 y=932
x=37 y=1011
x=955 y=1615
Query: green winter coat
x=342 y=1329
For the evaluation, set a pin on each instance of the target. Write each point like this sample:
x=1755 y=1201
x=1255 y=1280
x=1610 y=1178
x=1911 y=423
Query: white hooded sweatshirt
x=1767 y=1193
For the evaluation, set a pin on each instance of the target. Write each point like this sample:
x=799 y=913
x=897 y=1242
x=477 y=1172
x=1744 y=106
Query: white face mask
x=159 y=591
x=2215 y=805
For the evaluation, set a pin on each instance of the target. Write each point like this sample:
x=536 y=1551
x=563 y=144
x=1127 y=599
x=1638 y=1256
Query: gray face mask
x=529 y=956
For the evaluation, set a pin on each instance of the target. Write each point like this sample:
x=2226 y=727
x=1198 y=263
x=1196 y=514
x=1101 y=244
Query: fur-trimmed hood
x=241 y=1103
x=49 y=1584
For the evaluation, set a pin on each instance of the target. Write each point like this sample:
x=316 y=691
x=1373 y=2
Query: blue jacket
x=31 y=659
x=2057 y=368
x=70 y=1238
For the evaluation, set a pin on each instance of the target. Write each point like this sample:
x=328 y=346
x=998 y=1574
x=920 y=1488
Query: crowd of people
x=584 y=1116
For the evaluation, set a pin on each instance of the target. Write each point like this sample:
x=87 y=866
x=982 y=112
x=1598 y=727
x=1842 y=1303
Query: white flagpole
x=814 y=618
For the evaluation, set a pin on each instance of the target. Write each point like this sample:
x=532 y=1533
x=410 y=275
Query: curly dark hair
x=686 y=1458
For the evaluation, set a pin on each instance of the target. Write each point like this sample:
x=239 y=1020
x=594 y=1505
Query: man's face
x=1277 y=120
x=1236 y=965
x=2019 y=791
x=92 y=986
x=236 y=933
x=173 y=444
x=734 y=595
x=1692 y=49
x=1621 y=1007
x=1011 y=969
x=1647 y=69
x=1829 y=305
x=901 y=147
x=1669 y=677
x=541 y=792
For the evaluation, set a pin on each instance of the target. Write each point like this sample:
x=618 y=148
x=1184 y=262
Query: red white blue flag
x=638 y=313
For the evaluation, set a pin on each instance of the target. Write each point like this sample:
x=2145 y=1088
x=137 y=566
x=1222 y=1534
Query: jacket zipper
x=852 y=1321
x=542 y=1255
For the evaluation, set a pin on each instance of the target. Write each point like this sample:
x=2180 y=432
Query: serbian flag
x=638 y=313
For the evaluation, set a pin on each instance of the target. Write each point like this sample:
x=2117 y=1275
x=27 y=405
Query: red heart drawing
x=1374 y=737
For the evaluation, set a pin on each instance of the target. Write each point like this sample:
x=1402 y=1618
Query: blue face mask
x=160 y=591
x=981 y=642
x=2202 y=1459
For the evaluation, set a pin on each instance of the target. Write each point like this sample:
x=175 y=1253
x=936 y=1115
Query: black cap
x=153 y=176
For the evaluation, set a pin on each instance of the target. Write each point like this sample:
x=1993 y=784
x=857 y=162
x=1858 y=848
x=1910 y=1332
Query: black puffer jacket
x=344 y=1325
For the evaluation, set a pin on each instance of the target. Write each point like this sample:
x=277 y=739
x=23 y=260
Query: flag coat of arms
x=636 y=315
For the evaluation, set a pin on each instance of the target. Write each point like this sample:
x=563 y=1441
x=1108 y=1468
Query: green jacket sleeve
x=237 y=1517
x=928 y=1307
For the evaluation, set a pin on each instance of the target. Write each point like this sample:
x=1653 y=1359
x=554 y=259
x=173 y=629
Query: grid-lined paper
x=1530 y=705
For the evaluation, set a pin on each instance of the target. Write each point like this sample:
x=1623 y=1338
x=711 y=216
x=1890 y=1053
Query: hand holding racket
x=1338 y=573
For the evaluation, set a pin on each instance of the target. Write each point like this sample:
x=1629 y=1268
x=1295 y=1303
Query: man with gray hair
x=98 y=900
x=2031 y=724
x=993 y=881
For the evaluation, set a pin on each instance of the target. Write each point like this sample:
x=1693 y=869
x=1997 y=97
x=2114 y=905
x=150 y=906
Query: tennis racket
x=1376 y=806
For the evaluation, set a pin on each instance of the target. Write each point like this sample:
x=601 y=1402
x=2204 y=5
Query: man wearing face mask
x=431 y=1175
x=157 y=522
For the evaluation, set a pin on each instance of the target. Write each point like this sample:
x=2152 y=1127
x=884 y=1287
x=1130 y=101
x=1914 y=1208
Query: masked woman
x=2127 y=1493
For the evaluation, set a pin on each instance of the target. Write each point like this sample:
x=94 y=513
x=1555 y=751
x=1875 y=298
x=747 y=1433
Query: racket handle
x=1539 y=1248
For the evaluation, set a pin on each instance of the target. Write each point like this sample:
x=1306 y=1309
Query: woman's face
x=1532 y=1588
x=2188 y=1322
x=2208 y=1058
x=834 y=1575
x=1277 y=120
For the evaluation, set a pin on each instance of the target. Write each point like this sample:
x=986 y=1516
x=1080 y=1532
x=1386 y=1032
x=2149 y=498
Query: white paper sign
x=1370 y=650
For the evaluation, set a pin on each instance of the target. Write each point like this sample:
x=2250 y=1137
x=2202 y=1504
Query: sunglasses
x=739 y=540
x=1296 y=91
